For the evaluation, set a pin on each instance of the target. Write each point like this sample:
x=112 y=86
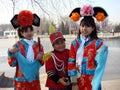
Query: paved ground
x=6 y=83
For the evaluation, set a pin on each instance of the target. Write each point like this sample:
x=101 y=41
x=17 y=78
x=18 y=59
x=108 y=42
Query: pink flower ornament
x=87 y=10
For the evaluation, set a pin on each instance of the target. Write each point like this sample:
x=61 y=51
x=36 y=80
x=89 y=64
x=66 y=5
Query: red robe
x=88 y=65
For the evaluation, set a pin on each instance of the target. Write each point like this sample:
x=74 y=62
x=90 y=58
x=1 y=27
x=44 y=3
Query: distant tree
x=66 y=28
x=4 y=27
x=105 y=29
x=117 y=28
x=13 y=2
x=44 y=26
x=63 y=28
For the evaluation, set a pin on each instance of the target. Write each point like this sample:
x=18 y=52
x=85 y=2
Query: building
x=10 y=33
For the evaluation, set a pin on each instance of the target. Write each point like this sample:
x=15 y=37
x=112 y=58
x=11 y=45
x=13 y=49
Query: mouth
x=61 y=49
x=84 y=32
x=29 y=36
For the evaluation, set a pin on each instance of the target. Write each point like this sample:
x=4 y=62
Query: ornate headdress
x=87 y=10
x=25 y=18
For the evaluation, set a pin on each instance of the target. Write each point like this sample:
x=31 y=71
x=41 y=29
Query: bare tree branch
x=41 y=8
x=13 y=2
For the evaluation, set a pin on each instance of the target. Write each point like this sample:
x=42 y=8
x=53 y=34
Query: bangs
x=87 y=21
x=25 y=29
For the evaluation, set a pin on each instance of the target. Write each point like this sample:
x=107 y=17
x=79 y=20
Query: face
x=59 y=45
x=28 y=34
x=86 y=30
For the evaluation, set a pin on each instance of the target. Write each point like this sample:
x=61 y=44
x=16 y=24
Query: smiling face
x=59 y=45
x=28 y=33
x=86 y=30
x=88 y=27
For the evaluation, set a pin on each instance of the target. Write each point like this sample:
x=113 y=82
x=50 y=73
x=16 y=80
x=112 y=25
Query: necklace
x=59 y=67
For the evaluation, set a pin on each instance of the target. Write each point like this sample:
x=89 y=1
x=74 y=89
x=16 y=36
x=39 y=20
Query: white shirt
x=80 y=52
x=30 y=52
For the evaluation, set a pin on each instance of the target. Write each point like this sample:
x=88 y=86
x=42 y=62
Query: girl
x=56 y=65
x=26 y=54
x=88 y=53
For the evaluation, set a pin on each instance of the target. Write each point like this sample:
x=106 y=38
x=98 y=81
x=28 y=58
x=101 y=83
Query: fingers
x=75 y=87
x=13 y=49
x=39 y=56
x=64 y=81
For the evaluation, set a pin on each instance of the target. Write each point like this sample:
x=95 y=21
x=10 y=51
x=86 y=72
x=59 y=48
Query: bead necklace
x=57 y=66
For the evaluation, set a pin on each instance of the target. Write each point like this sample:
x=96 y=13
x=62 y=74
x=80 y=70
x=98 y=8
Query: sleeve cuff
x=53 y=76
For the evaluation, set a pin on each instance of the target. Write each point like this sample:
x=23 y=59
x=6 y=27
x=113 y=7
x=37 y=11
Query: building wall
x=10 y=33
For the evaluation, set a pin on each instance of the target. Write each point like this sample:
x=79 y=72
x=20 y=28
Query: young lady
x=88 y=53
x=26 y=54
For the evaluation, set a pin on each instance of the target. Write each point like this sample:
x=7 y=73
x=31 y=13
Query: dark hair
x=89 y=21
x=23 y=29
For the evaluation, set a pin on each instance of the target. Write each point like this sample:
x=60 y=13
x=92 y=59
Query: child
x=26 y=54
x=88 y=53
x=56 y=65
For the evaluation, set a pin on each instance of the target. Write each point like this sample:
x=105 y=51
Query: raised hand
x=13 y=49
x=64 y=81
x=75 y=86
x=39 y=56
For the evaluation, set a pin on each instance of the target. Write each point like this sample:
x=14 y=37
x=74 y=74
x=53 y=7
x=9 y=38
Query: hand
x=13 y=50
x=75 y=86
x=66 y=79
x=39 y=56
x=63 y=81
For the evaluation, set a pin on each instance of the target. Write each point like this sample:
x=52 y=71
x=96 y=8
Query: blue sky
x=111 y=6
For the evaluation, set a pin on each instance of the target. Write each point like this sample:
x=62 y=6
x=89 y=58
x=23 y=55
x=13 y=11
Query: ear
x=14 y=22
x=36 y=20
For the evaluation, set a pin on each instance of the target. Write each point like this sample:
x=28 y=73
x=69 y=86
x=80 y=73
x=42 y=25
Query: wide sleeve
x=11 y=57
x=100 y=59
x=72 y=63
x=51 y=71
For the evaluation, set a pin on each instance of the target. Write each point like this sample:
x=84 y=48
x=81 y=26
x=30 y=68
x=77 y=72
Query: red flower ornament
x=25 y=18
x=100 y=16
x=87 y=10
x=75 y=17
